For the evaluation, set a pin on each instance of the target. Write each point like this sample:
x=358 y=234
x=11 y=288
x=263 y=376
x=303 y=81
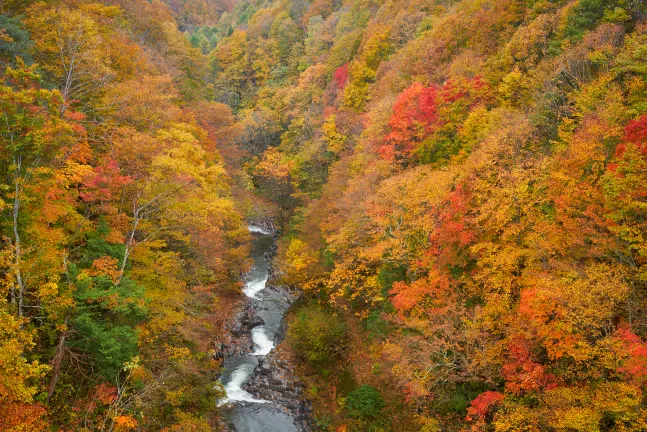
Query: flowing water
x=247 y=413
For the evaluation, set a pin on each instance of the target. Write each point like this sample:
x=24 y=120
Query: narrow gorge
x=323 y=215
x=258 y=398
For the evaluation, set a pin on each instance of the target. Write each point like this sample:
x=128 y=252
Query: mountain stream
x=245 y=412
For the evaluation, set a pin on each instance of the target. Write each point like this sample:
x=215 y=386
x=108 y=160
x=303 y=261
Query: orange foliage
x=23 y=418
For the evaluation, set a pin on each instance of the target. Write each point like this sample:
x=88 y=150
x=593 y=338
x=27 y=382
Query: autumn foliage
x=460 y=188
x=341 y=76
x=471 y=190
x=118 y=229
x=424 y=120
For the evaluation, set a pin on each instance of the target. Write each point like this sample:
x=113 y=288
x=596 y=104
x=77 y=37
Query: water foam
x=234 y=387
x=254 y=287
x=257 y=229
x=263 y=344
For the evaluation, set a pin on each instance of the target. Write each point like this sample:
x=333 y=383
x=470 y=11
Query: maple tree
x=424 y=120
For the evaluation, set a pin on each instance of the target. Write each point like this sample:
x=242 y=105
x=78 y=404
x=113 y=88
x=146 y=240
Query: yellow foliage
x=333 y=138
x=298 y=263
x=18 y=376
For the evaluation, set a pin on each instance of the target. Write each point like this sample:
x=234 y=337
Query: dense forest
x=119 y=230
x=460 y=188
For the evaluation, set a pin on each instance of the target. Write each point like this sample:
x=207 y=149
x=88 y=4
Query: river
x=245 y=412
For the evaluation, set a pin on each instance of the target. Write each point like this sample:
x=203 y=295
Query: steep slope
x=462 y=185
x=122 y=248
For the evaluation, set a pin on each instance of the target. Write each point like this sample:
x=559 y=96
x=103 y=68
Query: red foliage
x=522 y=374
x=341 y=76
x=106 y=393
x=635 y=133
x=328 y=111
x=74 y=115
x=420 y=111
x=414 y=116
x=452 y=233
x=103 y=182
x=635 y=365
x=482 y=405
x=454 y=230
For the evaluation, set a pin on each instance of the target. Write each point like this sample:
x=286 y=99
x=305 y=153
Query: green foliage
x=376 y=325
x=323 y=422
x=456 y=399
x=391 y=273
x=318 y=336
x=243 y=11
x=588 y=13
x=96 y=246
x=105 y=322
x=15 y=42
x=205 y=38
x=584 y=16
x=365 y=402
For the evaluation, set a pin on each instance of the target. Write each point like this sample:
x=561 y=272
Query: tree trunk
x=17 y=250
x=57 y=360
x=129 y=245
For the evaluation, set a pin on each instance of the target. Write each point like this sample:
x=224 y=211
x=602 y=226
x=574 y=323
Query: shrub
x=317 y=336
x=365 y=402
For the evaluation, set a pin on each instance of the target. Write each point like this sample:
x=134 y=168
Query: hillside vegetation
x=120 y=238
x=464 y=183
x=460 y=185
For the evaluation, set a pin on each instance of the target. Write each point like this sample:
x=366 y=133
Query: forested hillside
x=460 y=186
x=463 y=188
x=119 y=233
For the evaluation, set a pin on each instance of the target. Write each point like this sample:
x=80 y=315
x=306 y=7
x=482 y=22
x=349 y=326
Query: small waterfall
x=254 y=287
x=263 y=344
x=259 y=230
x=235 y=392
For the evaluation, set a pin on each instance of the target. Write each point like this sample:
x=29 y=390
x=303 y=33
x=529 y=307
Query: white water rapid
x=257 y=229
x=263 y=344
x=235 y=392
x=253 y=287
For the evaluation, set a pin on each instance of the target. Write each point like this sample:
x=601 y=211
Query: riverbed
x=245 y=412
